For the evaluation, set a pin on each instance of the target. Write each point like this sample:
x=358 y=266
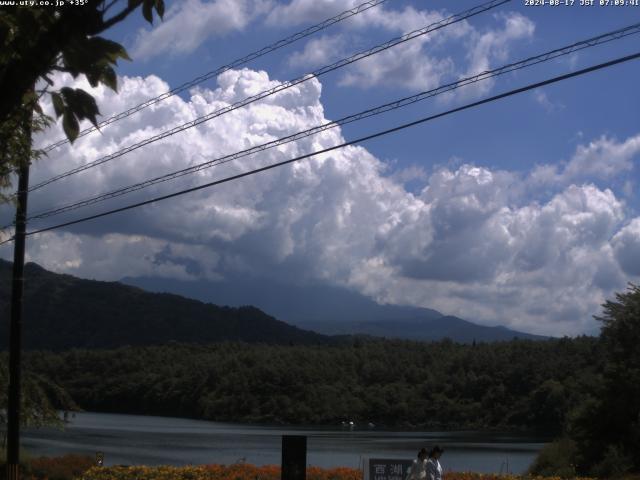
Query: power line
x=236 y=63
x=345 y=144
x=403 y=102
x=280 y=87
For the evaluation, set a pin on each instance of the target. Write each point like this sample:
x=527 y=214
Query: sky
x=523 y=212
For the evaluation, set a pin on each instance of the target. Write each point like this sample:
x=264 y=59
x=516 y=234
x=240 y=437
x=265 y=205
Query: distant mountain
x=333 y=310
x=424 y=329
x=62 y=311
x=293 y=303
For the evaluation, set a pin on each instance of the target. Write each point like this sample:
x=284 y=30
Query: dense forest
x=521 y=384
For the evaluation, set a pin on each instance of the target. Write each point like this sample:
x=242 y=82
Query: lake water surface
x=136 y=439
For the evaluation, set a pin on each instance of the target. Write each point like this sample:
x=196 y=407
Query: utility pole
x=15 y=329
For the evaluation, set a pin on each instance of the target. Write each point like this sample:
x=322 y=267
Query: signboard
x=387 y=468
x=294 y=457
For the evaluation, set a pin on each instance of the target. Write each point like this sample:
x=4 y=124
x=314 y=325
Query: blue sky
x=528 y=130
x=523 y=212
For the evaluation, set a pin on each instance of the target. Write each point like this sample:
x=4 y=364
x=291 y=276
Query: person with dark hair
x=434 y=469
x=417 y=470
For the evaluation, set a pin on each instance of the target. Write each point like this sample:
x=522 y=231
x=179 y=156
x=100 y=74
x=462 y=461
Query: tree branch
x=41 y=93
x=117 y=18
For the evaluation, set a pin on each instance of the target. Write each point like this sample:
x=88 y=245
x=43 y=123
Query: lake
x=137 y=439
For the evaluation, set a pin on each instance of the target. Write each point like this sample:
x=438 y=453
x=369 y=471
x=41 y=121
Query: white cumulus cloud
x=191 y=22
x=602 y=159
x=474 y=242
x=626 y=247
x=299 y=12
x=421 y=63
x=319 y=51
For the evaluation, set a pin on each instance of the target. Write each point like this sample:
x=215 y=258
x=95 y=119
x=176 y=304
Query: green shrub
x=614 y=464
x=556 y=459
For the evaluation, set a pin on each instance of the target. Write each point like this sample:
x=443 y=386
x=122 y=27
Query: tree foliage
x=606 y=425
x=39 y=402
x=387 y=382
x=35 y=42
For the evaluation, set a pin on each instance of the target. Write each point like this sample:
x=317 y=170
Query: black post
x=15 y=329
x=294 y=457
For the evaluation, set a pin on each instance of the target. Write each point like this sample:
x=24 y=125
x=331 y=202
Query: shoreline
x=358 y=427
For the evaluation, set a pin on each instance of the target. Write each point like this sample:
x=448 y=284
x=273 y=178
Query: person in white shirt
x=418 y=469
x=434 y=469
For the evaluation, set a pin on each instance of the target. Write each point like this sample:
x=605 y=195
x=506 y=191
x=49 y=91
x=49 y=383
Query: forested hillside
x=523 y=384
x=62 y=311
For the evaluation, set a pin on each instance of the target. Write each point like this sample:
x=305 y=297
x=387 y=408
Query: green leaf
x=123 y=53
x=81 y=104
x=67 y=93
x=109 y=78
x=160 y=8
x=102 y=49
x=93 y=76
x=58 y=104
x=29 y=98
x=147 y=11
x=70 y=125
x=91 y=56
x=78 y=55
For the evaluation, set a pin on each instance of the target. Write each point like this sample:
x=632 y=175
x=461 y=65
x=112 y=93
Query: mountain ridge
x=62 y=312
x=333 y=310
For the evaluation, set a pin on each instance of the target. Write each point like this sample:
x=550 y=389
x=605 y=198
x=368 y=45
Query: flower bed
x=251 y=472
x=214 y=472
x=76 y=467
x=65 y=467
